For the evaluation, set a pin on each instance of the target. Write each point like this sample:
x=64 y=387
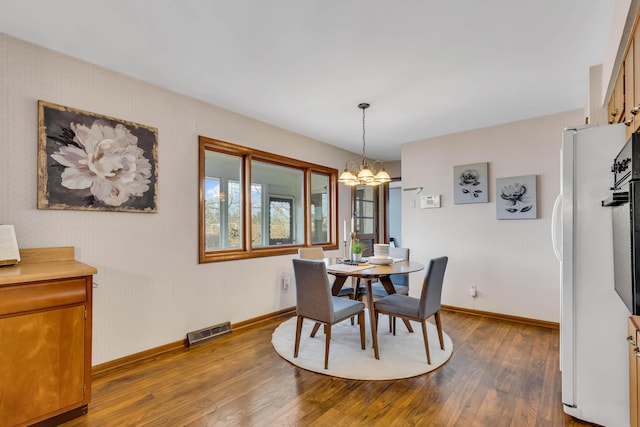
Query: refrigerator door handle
x=556 y=227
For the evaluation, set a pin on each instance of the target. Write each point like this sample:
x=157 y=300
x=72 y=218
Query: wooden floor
x=500 y=374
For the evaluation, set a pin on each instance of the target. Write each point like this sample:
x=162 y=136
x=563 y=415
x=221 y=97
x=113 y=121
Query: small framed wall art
x=470 y=183
x=91 y=162
x=516 y=197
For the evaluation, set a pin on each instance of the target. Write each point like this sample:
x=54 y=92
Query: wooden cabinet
x=45 y=338
x=635 y=49
x=616 y=103
x=624 y=104
x=629 y=90
x=633 y=336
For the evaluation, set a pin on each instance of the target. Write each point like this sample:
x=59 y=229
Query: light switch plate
x=430 y=201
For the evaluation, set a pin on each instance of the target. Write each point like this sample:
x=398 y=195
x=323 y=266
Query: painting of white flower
x=94 y=162
x=107 y=161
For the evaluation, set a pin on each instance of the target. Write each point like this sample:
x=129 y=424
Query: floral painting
x=470 y=183
x=92 y=162
x=516 y=197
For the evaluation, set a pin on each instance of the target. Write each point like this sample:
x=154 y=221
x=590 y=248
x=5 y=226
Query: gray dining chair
x=400 y=281
x=315 y=302
x=317 y=254
x=419 y=309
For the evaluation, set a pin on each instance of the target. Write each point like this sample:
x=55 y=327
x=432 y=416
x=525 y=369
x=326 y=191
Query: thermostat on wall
x=430 y=201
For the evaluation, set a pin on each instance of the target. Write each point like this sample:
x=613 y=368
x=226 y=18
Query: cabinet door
x=632 y=337
x=629 y=90
x=636 y=78
x=611 y=114
x=616 y=103
x=41 y=363
x=634 y=395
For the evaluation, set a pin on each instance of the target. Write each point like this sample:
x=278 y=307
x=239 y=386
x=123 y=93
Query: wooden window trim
x=248 y=155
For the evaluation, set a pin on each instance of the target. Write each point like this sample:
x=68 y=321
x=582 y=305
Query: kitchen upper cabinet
x=635 y=108
x=624 y=104
x=629 y=90
x=616 y=103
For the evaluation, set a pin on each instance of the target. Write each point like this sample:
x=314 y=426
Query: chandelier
x=366 y=173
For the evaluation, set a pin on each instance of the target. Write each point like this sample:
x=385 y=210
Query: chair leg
x=361 y=322
x=439 y=326
x=391 y=321
x=326 y=345
x=298 y=332
x=314 y=331
x=408 y=325
x=426 y=340
x=351 y=297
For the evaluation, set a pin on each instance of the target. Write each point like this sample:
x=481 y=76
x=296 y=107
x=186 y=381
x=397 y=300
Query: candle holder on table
x=346 y=255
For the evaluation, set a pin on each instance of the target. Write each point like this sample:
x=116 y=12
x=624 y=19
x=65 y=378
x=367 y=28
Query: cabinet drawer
x=36 y=296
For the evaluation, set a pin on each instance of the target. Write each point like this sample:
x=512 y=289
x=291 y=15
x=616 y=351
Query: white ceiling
x=427 y=67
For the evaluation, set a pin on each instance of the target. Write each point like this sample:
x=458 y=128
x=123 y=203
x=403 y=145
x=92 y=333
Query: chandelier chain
x=364 y=159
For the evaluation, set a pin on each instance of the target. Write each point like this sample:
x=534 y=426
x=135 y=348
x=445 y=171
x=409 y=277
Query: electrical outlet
x=473 y=291
x=286 y=281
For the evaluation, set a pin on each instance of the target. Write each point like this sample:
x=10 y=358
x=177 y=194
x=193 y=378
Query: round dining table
x=368 y=273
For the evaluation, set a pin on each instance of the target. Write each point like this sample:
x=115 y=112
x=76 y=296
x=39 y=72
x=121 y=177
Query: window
x=222 y=207
x=320 y=218
x=282 y=184
x=255 y=204
x=280 y=221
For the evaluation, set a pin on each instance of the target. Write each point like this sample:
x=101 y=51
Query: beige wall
x=150 y=288
x=511 y=261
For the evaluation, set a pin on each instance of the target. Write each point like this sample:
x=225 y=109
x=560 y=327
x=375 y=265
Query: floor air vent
x=208 y=334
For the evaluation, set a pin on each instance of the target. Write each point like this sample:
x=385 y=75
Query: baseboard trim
x=156 y=351
x=136 y=357
x=259 y=319
x=500 y=316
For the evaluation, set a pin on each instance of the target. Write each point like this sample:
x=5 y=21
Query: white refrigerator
x=593 y=318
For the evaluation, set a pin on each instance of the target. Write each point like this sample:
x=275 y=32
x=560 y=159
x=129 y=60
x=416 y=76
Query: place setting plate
x=380 y=260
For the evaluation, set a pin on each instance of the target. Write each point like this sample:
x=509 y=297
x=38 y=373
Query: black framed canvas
x=87 y=161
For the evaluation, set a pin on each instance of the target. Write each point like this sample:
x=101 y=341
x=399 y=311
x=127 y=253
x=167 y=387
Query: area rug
x=401 y=356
